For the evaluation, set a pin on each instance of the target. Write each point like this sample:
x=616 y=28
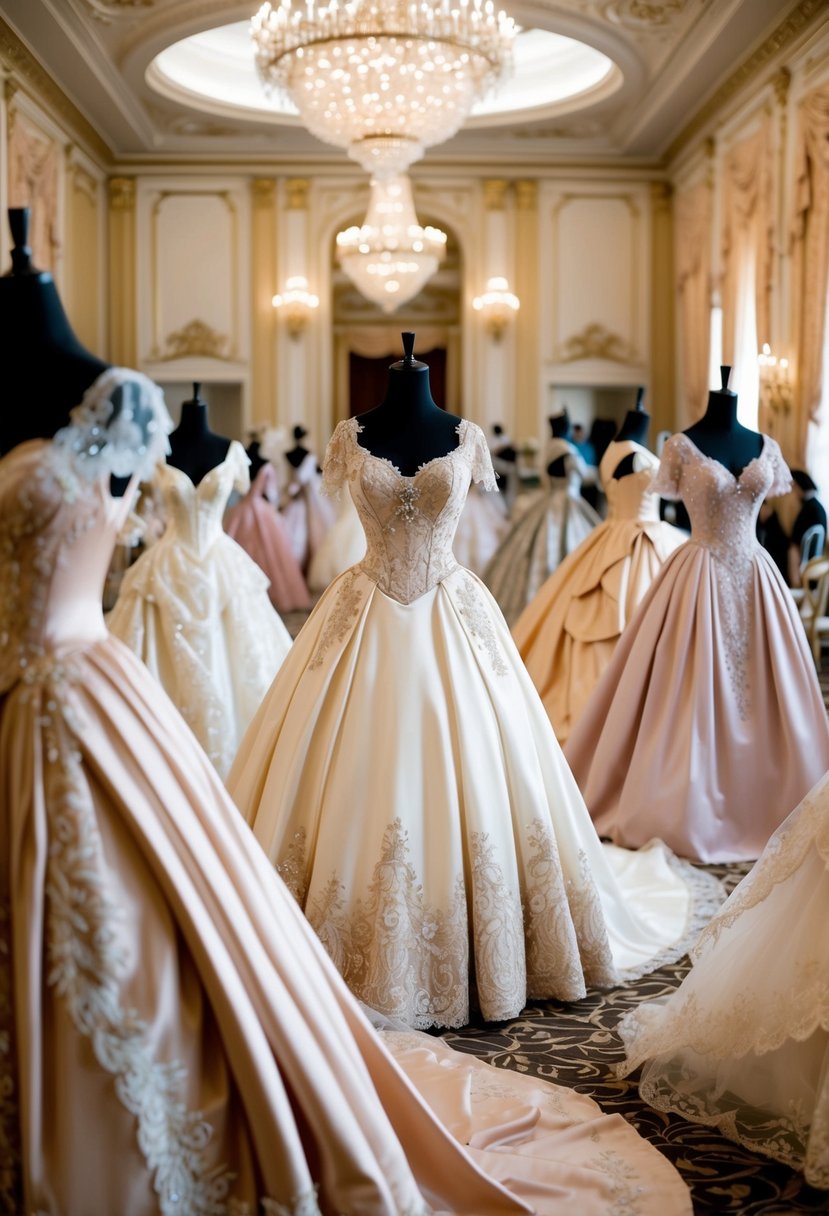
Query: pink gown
x=568 y=632
x=708 y=726
x=255 y=524
x=173 y=1038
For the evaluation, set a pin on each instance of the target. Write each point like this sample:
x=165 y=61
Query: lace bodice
x=409 y=522
x=194 y=513
x=631 y=496
x=59 y=523
x=723 y=508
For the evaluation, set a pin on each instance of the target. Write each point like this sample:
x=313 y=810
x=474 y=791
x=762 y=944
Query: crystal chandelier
x=390 y=256
x=384 y=79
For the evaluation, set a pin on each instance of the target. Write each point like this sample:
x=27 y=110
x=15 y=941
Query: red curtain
x=368 y=379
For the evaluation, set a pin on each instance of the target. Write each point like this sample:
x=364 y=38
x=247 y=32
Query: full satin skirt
x=255 y=524
x=567 y=634
x=743 y=1045
x=207 y=631
x=174 y=1036
x=708 y=725
x=552 y=525
x=403 y=777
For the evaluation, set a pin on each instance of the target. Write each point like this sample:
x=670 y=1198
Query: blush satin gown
x=255 y=524
x=404 y=779
x=708 y=726
x=195 y=609
x=567 y=634
x=173 y=1038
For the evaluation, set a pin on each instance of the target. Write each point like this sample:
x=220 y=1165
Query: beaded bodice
x=723 y=511
x=723 y=508
x=194 y=513
x=409 y=522
x=631 y=496
x=59 y=523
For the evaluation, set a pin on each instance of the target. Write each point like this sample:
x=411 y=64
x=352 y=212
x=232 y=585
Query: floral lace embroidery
x=499 y=966
x=293 y=865
x=85 y=960
x=478 y=617
x=409 y=522
x=340 y=617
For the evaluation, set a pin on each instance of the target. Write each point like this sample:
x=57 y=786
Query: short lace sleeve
x=335 y=464
x=239 y=462
x=781 y=476
x=668 y=477
x=481 y=460
x=120 y=428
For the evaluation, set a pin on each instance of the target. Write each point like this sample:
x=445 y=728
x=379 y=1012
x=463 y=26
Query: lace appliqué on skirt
x=478 y=617
x=340 y=618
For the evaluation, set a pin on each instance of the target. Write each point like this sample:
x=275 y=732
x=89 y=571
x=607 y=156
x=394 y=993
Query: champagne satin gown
x=173 y=1038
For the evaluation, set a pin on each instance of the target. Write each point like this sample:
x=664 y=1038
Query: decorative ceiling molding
x=110 y=10
x=597 y=342
x=780 y=39
x=28 y=74
x=644 y=15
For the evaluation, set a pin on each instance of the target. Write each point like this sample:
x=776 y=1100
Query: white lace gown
x=195 y=608
x=405 y=780
x=743 y=1044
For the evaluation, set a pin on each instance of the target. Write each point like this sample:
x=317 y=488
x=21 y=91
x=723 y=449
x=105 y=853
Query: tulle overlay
x=173 y=1038
x=567 y=634
x=343 y=545
x=255 y=524
x=743 y=1045
x=403 y=777
x=195 y=608
x=707 y=726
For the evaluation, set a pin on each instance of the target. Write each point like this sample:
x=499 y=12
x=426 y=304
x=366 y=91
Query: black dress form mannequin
x=298 y=452
x=255 y=455
x=634 y=429
x=46 y=371
x=560 y=429
x=719 y=435
x=194 y=448
x=502 y=448
x=408 y=428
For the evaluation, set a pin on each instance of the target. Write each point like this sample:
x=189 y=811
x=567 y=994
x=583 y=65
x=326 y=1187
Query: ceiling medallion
x=384 y=79
x=644 y=14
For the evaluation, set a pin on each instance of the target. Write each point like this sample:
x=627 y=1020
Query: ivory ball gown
x=403 y=777
x=173 y=1038
x=195 y=608
x=707 y=726
x=567 y=634
x=743 y=1044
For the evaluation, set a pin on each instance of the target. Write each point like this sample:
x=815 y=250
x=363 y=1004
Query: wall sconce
x=775 y=384
x=497 y=307
x=296 y=305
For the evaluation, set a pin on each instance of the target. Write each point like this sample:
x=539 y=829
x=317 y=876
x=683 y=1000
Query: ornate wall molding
x=495 y=194
x=28 y=74
x=194 y=340
x=121 y=193
x=782 y=37
x=526 y=195
x=263 y=191
x=296 y=193
x=596 y=342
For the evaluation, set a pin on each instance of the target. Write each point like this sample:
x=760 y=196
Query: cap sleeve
x=781 y=476
x=481 y=463
x=120 y=427
x=667 y=479
x=239 y=463
x=335 y=464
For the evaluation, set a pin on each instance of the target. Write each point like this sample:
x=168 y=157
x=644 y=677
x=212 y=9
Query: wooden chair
x=815 y=606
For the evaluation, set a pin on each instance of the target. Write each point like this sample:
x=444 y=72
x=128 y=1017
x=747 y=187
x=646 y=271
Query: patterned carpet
x=576 y=1045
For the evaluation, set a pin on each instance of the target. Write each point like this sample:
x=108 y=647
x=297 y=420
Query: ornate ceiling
x=669 y=57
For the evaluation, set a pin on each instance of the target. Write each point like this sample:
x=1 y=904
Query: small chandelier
x=775 y=382
x=384 y=79
x=390 y=256
x=497 y=306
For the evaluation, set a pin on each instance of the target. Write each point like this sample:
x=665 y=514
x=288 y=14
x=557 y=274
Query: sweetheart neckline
x=464 y=422
x=736 y=477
